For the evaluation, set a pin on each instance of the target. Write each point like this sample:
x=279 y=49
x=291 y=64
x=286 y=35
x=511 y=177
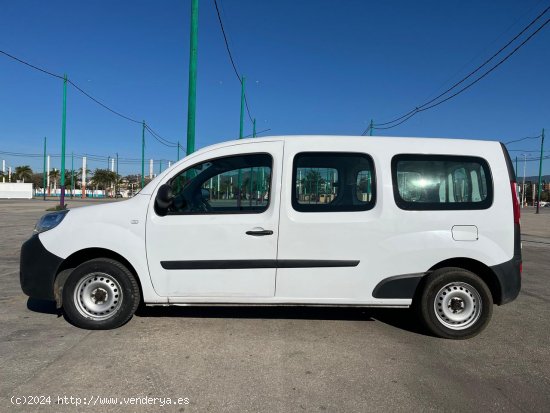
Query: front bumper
x=38 y=268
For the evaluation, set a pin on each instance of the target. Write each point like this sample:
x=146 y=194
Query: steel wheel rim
x=458 y=305
x=98 y=296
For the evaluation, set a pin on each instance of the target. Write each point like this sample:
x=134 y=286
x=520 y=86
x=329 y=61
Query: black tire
x=454 y=303
x=100 y=294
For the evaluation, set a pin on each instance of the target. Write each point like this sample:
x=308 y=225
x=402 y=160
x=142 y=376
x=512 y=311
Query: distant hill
x=545 y=178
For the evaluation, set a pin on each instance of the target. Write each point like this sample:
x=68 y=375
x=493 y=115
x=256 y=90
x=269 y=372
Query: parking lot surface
x=287 y=359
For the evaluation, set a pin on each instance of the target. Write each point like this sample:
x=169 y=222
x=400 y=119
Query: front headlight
x=49 y=221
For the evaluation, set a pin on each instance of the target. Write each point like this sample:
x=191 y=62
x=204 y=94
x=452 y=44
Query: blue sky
x=312 y=67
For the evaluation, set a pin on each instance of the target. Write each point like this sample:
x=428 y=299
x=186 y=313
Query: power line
x=30 y=65
x=137 y=161
x=231 y=57
x=366 y=131
x=257 y=133
x=247 y=108
x=425 y=106
x=471 y=73
x=522 y=139
x=528 y=11
x=537 y=159
x=84 y=93
x=527 y=151
x=159 y=138
x=417 y=110
x=89 y=157
x=102 y=104
x=226 y=42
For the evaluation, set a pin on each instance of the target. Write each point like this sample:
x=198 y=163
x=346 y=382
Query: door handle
x=259 y=233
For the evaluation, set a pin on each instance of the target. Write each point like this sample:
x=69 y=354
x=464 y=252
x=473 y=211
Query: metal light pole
x=239 y=177
x=523 y=186
x=48 y=173
x=63 y=130
x=254 y=128
x=371 y=127
x=116 y=181
x=72 y=174
x=143 y=155
x=83 y=183
x=45 y=173
x=243 y=81
x=192 y=96
x=540 y=170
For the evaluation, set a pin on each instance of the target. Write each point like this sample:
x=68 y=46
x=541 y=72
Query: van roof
x=344 y=139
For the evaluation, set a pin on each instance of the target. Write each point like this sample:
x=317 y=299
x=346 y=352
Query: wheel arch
x=481 y=270
x=81 y=256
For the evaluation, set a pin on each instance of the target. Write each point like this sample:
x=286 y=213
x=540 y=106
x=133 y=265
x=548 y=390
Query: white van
x=306 y=220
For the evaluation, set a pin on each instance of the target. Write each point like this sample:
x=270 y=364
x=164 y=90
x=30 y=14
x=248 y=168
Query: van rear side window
x=333 y=182
x=441 y=182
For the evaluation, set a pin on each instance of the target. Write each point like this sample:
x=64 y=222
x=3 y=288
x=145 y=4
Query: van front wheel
x=100 y=294
x=455 y=303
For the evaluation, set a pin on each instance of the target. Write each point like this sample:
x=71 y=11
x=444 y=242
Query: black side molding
x=399 y=286
x=242 y=264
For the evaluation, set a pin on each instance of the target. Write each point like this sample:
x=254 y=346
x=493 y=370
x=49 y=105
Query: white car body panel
x=216 y=237
x=386 y=240
x=107 y=226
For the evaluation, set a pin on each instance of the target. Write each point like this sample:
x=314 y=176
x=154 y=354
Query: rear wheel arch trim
x=411 y=285
x=483 y=271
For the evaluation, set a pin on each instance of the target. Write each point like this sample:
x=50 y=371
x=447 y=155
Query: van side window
x=441 y=182
x=234 y=184
x=333 y=181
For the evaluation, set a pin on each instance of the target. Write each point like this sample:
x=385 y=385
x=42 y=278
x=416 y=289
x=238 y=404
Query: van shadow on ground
x=403 y=319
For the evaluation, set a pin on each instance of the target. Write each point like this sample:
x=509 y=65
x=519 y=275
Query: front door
x=218 y=238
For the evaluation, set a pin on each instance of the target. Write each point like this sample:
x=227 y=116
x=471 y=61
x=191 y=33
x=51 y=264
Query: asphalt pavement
x=288 y=359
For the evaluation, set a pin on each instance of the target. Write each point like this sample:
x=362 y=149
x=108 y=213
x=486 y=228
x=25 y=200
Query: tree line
x=99 y=179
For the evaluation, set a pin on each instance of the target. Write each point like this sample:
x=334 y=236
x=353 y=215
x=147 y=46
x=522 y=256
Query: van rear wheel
x=455 y=303
x=100 y=294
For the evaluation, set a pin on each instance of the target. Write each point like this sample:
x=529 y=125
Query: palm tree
x=312 y=184
x=103 y=178
x=23 y=172
x=68 y=174
x=79 y=172
x=54 y=175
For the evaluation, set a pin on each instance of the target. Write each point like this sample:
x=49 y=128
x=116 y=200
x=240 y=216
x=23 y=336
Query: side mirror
x=205 y=193
x=164 y=197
